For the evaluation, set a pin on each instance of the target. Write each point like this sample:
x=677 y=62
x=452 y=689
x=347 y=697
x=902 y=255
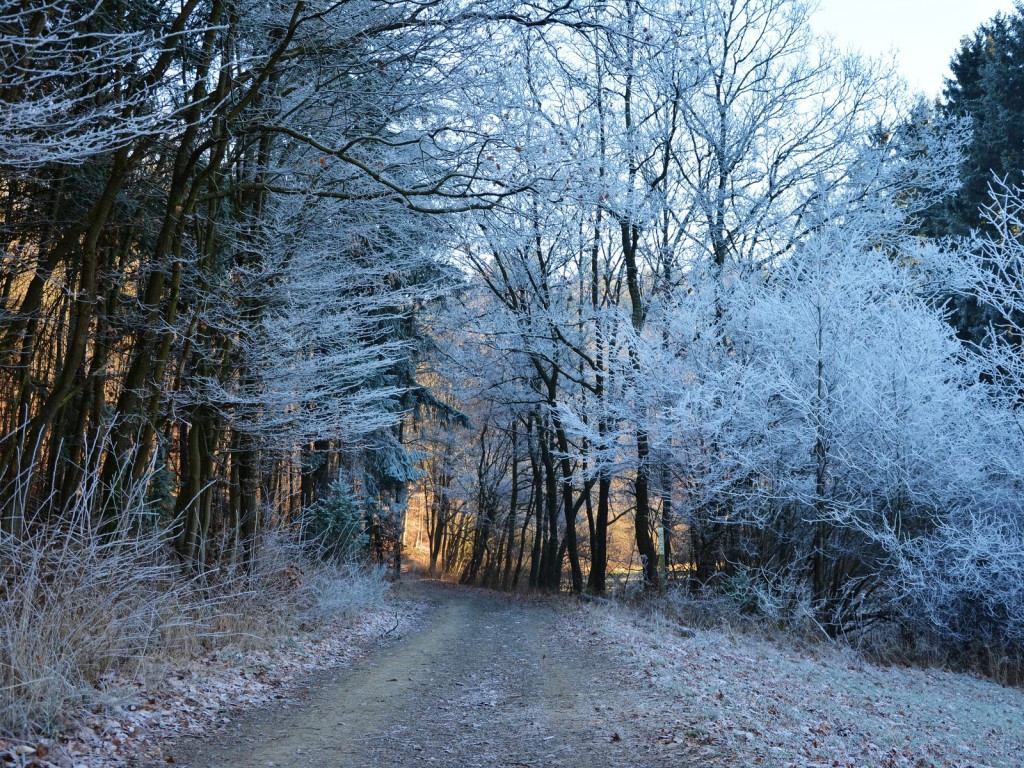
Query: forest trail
x=486 y=680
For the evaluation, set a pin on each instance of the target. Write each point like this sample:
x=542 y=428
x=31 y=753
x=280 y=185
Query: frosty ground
x=448 y=676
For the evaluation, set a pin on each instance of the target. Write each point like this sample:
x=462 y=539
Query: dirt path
x=486 y=681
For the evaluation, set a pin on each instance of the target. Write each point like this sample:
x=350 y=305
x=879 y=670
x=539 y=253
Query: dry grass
x=78 y=608
x=144 y=720
x=74 y=606
x=739 y=698
x=286 y=586
x=81 y=607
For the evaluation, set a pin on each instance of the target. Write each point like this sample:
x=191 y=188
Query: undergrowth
x=79 y=607
x=788 y=616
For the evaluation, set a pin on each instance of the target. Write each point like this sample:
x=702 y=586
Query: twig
x=398 y=620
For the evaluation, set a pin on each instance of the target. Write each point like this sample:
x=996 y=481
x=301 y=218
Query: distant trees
x=714 y=313
x=682 y=147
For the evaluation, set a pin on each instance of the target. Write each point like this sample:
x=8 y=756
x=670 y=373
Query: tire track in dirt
x=485 y=682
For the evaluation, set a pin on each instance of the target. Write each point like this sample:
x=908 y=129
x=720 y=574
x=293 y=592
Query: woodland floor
x=490 y=680
x=465 y=678
x=486 y=680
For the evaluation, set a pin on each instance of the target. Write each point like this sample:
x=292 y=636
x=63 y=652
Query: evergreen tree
x=986 y=91
x=987 y=88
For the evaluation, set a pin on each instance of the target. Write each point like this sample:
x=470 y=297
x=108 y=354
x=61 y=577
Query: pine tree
x=987 y=88
x=986 y=92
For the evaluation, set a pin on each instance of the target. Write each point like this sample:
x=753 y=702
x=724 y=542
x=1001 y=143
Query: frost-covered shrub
x=843 y=415
x=835 y=434
x=336 y=525
x=965 y=580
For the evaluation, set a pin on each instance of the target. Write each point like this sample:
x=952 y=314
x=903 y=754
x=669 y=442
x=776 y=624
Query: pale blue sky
x=924 y=33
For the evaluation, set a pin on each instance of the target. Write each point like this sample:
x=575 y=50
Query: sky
x=924 y=33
